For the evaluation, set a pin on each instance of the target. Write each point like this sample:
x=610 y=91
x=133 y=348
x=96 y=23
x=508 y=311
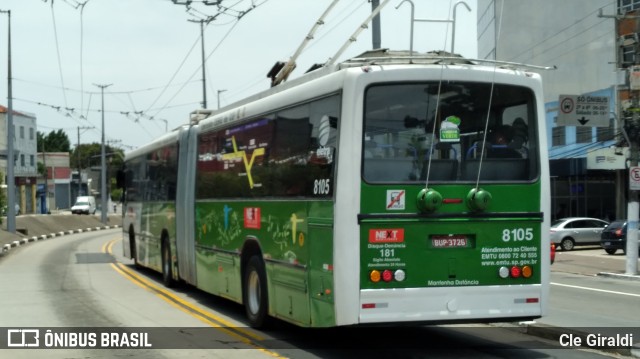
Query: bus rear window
x=453 y=132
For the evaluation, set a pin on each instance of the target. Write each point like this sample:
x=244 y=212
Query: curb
x=553 y=333
x=7 y=247
x=630 y=277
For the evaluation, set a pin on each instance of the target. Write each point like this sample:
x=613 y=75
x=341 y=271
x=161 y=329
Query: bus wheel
x=167 y=273
x=132 y=248
x=256 y=301
x=611 y=251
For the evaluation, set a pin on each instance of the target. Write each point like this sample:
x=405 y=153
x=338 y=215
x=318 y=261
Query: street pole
x=219 y=92
x=375 y=25
x=78 y=162
x=11 y=182
x=631 y=132
x=631 y=267
x=204 y=78
x=103 y=169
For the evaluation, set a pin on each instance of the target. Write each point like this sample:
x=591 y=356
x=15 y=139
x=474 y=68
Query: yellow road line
x=211 y=319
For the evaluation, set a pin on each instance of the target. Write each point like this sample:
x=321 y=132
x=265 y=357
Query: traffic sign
x=634 y=178
x=583 y=110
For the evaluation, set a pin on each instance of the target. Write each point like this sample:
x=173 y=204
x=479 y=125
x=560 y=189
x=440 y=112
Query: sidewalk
x=588 y=262
x=33 y=227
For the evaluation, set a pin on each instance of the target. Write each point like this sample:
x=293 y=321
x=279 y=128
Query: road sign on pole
x=634 y=178
x=583 y=110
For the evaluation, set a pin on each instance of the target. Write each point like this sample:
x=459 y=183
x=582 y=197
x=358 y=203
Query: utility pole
x=631 y=131
x=375 y=24
x=78 y=157
x=204 y=78
x=104 y=208
x=219 y=92
x=11 y=182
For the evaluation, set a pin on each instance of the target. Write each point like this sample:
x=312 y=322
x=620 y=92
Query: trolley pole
x=104 y=207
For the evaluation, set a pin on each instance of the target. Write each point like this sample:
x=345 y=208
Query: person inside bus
x=500 y=140
x=520 y=134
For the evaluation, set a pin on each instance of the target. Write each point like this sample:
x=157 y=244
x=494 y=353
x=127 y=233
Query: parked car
x=84 y=205
x=576 y=231
x=614 y=237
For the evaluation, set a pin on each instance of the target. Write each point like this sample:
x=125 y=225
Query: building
x=581 y=39
x=25 y=150
x=58 y=181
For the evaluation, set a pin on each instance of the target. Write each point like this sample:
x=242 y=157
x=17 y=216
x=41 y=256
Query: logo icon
x=23 y=338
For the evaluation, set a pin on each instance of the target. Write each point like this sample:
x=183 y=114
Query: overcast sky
x=151 y=55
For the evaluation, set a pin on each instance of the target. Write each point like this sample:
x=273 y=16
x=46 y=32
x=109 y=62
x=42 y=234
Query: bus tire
x=167 y=272
x=256 y=300
x=132 y=247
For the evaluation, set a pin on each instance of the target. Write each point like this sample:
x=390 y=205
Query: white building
x=25 y=155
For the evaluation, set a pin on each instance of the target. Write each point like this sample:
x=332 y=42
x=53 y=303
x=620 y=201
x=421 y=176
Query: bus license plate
x=449 y=241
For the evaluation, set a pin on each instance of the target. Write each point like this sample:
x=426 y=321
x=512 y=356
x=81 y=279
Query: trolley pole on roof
x=103 y=167
x=451 y=21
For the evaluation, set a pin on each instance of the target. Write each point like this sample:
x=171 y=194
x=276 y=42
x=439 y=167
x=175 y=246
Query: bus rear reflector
x=399 y=275
x=503 y=272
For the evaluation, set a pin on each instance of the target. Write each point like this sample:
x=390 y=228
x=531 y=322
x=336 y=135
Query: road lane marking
x=596 y=289
x=209 y=318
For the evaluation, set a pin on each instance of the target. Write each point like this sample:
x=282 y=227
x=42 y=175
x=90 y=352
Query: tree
x=88 y=155
x=54 y=141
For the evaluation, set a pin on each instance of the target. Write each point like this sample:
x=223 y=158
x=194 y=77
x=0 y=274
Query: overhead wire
x=199 y=67
x=55 y=35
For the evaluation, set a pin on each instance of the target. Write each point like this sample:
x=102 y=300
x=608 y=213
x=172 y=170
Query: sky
x=149 y=53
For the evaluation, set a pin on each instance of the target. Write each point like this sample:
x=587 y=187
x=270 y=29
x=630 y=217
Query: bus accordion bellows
x=385 y=189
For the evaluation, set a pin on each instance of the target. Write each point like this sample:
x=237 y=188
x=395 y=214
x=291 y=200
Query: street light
x=11 y=183
x=103 y=168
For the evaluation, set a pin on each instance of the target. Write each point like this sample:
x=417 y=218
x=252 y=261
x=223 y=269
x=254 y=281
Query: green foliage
x=54 y=141
x=42 y=170
x=89 y=155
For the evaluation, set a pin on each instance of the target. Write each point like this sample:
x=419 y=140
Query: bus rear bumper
x=450 y=304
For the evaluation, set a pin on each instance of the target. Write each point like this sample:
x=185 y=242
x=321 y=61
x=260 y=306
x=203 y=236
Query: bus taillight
x=374 y=275
x=387 y=275
x=516 y=272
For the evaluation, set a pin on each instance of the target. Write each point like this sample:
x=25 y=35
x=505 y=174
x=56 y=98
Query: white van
x=84 y=205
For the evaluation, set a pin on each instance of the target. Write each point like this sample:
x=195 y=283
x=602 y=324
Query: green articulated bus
x=385 y=189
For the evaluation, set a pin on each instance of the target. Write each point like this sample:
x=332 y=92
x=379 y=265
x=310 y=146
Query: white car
x=84 y=205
